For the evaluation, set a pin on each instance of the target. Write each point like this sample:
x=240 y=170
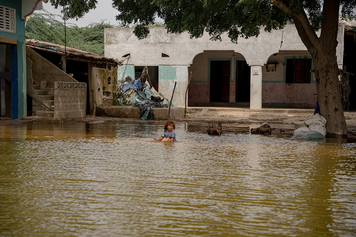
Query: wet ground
x=111 y=179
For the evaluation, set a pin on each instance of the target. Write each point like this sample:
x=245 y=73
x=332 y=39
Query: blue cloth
x=145 y=115
x=128 y=85
x=134 y=86
x=147 y=92
x=169 y=135
x=138 y=84
x=317 y=109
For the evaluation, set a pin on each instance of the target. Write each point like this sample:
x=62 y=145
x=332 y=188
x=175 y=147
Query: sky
x=103 y=11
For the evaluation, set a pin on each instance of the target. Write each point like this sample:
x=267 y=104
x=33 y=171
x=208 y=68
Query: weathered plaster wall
x=126 y=70
x=277 y=93
x=70 y=100
x=105 y=82
x=181 y=49
x=168 y=75
x=293 y=95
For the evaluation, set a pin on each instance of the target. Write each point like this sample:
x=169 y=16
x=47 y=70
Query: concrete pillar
x=256 y=87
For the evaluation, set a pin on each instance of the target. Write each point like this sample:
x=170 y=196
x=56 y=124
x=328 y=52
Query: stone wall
x=70 y=99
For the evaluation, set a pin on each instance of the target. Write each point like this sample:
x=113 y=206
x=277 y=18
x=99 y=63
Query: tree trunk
x=329 y=97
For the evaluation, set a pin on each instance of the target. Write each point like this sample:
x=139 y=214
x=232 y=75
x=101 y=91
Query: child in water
x=169 y=135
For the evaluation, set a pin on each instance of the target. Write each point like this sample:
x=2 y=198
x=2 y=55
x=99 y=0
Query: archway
x=219 y=78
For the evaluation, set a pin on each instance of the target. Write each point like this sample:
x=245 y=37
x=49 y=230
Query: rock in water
x=215 y=129
x=264 y=129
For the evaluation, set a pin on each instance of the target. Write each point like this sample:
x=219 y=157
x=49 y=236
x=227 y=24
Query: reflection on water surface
x=111 y=179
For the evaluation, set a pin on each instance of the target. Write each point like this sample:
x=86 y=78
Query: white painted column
x=256 y=87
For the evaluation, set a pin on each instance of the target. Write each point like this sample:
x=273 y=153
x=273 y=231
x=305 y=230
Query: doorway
x=349 y=66
x=243 y=79
x=219 y=81
x=5 y=80
x=80 y=73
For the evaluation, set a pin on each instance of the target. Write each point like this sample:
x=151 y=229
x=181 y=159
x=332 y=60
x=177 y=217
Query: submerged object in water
x=215 y=129
x=264 y=129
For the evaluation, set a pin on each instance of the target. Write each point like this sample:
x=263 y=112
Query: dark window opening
x=165 y=55
x=80 y=73
x=298 y=70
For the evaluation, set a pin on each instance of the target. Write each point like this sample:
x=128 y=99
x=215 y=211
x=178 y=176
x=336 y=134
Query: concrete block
x=118 y=111
x=162 y=113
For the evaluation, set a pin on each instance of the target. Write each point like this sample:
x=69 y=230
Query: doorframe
x=209 y=74
x=235 y=66
x=219 y=59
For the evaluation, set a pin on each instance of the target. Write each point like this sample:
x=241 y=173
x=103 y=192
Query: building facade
x=13 y=93
x=271 y=70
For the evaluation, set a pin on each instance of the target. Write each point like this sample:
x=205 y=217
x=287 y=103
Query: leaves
x=44 y=27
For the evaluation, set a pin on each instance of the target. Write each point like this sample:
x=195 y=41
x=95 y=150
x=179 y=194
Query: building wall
x=257 y=51
x=199 y=86
x=182 y=49
x=277 y=93
x=18 y=60
x=70 y=100
x=168 y=75
x=103 y=89
x=126 y=70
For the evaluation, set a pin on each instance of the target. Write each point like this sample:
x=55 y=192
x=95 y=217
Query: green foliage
x=239 y=18
x=74 y=8
x=123 y=99
x=45 y=27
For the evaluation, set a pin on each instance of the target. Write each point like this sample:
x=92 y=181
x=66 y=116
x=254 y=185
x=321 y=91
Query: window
x=7 y=19
x=298 y=70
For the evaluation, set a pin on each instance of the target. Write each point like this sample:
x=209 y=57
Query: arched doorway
x=219 y=78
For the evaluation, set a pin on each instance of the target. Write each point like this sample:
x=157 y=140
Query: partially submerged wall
x=70 y=100
x=134 y=112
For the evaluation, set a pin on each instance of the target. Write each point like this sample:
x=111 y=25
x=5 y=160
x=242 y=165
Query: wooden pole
x=186 y=92
x=170 y=104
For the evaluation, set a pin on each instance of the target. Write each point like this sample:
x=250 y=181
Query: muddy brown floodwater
x=111 y=179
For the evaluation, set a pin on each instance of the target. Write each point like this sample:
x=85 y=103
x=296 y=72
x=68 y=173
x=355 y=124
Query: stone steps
x=41 y=92
x=47 y=94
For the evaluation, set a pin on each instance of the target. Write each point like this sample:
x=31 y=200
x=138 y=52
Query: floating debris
x=215 y=130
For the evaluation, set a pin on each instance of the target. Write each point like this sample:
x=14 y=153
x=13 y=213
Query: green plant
x=121 y=98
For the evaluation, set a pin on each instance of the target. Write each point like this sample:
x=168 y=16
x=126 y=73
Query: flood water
x=111 y=179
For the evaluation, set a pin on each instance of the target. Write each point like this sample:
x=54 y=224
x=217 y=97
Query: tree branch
x=306 y=32
x=281 y=6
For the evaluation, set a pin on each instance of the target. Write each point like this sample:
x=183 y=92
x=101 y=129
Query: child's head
x=169 y=122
